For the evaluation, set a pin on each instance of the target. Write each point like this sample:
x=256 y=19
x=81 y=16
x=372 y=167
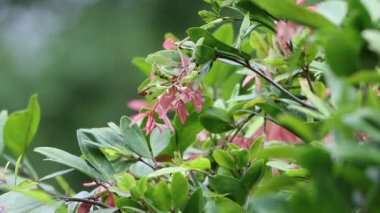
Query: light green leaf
x=256 y=147
x=125 y=181
x=67 y=159
x=199 y=164
x=162 y=197
x=20 y=128
x=179 y=189
x=94 y=156
x=333 y=10
x=224 y=159
x=140 y=63
x=3 y=119
x=373 y=39
x=59 y=173
x=167 y=170
x=134 y=138
x=223 y=205
x=159 y=141
x=290 y=11
x=317 y=102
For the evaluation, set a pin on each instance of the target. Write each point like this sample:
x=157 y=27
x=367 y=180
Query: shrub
x=278 y=114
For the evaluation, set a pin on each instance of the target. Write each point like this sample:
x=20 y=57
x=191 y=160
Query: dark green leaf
x=228 y=185
x=241 y=157
x=197 y=33
x=195 y=203
x=134 y=138
x=203 y=54
x=216 y=120
x=256 y=13
x=253 y=174
x=94 y=156
x=20 y=128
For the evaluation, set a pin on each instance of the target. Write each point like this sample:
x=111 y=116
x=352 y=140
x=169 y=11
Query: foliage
x=283 y=116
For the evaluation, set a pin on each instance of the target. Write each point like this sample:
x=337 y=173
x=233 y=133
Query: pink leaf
x=138 y=117
x=169 y=44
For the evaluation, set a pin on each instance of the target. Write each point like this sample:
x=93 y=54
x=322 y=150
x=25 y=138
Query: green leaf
x=125 y=181
x=166 y=62
x=67 y=159
x=223 y=205
x=256 y=13
x=224 y=159
x=298 y=127
x=253 y=174
x=199 y=164
x=161 y=196
x=20 y=128
x=203 y=54
x=228 y=185
x=364 y=77
x=195 y=203
x=167 y=170
x=244 y=30
x=335 y=11
x=94 y=156
x=197 y=33
x=290 y=11
x=241 y=157
x=18 y=202
x=134 y=138
x=140 y=63
x=216 y=120
x=179 y=189
x=373 y=39
x=207 y=16
x=315 y=100
x=159 y=141
x=186 y=133
x=342 y=51
x=256 y=147
x=55 y=174
x=3 y=120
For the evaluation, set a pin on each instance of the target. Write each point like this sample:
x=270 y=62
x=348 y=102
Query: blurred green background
x=76 y=55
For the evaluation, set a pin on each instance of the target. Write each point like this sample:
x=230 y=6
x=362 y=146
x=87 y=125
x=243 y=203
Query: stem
x=261 y=74
x=305 y=69
x=93 y=202
x=241 y=125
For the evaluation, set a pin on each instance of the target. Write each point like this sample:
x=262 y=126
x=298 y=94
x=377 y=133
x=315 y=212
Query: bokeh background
x=76 y=55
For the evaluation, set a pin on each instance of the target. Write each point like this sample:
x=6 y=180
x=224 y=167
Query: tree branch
x=261 y=74
x=92 y=202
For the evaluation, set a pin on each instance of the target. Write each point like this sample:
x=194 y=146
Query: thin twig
x=92 y=202
x=261 y=74
x=306 y=71
x=241 y=125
